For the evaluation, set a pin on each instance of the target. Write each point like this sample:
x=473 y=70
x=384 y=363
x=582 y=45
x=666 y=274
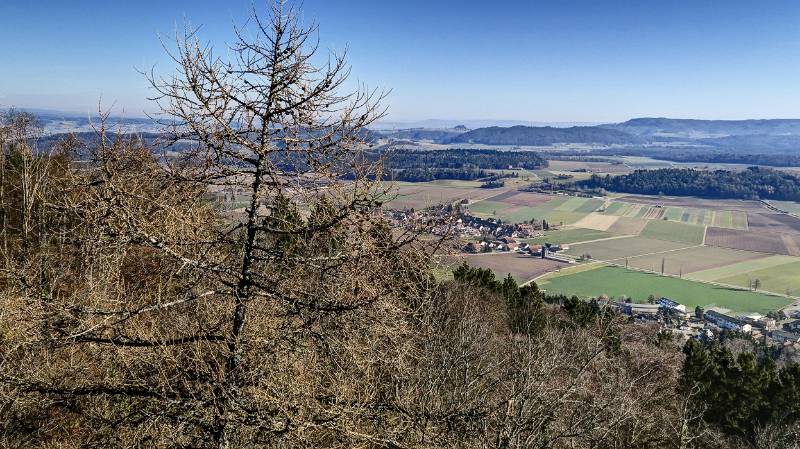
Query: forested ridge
x=752 y=183
x=462 y=164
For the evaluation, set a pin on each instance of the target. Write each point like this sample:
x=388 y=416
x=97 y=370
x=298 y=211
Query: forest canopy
x=752 y=183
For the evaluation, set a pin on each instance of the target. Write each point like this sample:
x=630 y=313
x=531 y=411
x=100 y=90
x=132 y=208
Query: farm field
x=561 y=210
x=627 y=225
x=617 y=282
x=788 y=206
x=743 y=239
x=698 y=203
x=521 y=268
x=783 y=279
x=729 y=219
x=673 y=231
x=597 y=221
x=698 y=258
x=715 y=274
x=489 y=207
x=571 y=236
x=688 y=215
x=748 y=241
x=425 y=194
x=773 y=222
x=522 y=198
x=591 y=167
x=625 y=209
x=616 y=249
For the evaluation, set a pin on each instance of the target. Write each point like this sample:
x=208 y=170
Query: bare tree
x=165 y=323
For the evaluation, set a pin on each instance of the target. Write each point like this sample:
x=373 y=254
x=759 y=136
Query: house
x=784 y=337
x=472 y=247
x=672 y=306
x=792 y=326
x=727 y=322
x=535 y=250
x=555 y=248
x=641 y=309
x=758 y=321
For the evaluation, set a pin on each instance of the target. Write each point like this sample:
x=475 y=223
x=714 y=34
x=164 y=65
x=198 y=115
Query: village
x=482 y=235
x=709 y=325
x=492 y=235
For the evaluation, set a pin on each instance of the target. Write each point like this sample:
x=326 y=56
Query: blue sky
x=557 y=60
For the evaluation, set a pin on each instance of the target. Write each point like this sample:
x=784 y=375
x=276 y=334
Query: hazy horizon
x=587 y=62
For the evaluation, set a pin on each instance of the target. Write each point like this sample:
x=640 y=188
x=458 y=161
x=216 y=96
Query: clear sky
x=555 y=60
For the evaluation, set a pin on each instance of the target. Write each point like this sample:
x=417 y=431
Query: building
x=672 y=306
x=472 y=247
x=641 y=309
x=535 y=250
x=784 y=337
x=792 y=326
x=727 y=322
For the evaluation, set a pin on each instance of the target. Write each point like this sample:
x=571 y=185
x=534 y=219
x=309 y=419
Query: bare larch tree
x=166 y=322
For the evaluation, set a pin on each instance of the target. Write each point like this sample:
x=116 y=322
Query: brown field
x=628 y=225
x=619 y=249
x=773 y=222
x=598 y=222
x=792 y=243
x=700 y=203
x=789 y=221
x=522 y=198
x=746 y=240
x=426 y=195
x=522 y=268
x=693 y=259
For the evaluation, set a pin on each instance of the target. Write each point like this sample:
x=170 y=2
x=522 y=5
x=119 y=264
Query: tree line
x=752 y=183
x=461 y=164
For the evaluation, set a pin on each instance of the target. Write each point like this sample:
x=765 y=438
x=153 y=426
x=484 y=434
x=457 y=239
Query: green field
x=779 y=279
x=584 y=205
x=557 y=211
x=560 y=217
x=624 y=209
x=616 y=282
x=617 y=249
x=674 y=231
x=741 y=268
x=730 y=219
x=571 y=236
x=613 y=208
x=788 y=206
x=492 y=208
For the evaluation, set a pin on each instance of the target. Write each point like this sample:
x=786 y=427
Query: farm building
x=671 y=305
x=784 y=337
x=641 y=309
x=727 y=322
x=472 y=247
x=792 y=326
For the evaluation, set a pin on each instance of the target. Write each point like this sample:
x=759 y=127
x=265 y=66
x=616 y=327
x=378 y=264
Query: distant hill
x=756 y=143
x=698 y=129
x=58 y=122
x=541 y=136
x=471 y=124
x=434 y=135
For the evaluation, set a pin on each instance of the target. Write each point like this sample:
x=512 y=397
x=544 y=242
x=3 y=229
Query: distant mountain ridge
x=547 y=135
x=757 y=136
x=696 y=129
x=58 y=122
